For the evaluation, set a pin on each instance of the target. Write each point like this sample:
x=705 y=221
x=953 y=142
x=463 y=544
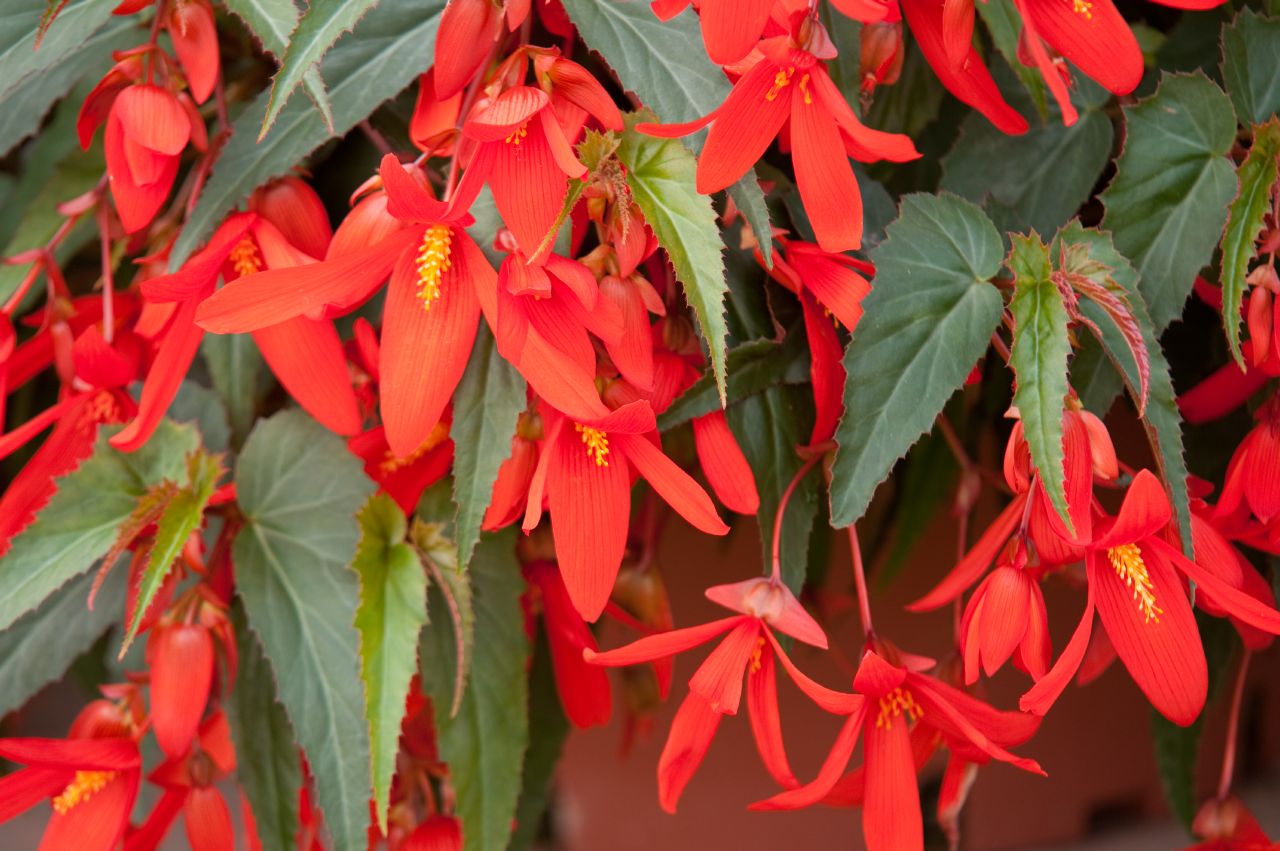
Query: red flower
x=437 y=833
x=895 y=698
x=584 y=689
x=1252 y=484
x=1006 y=613
x=788 y=81
x=730 y=28
x=1227 y=825
x=468 y=30
x=404 y=479
x=585 y=472
x=1134 y=585
x=181 y=658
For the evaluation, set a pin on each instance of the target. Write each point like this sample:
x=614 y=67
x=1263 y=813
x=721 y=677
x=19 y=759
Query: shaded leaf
x=273 y=21
x=1251 y=65
x=548 y=729
x=21 y=22
x=1244 y=222
x=753 y=367
x=440 y=555
x=240 y=378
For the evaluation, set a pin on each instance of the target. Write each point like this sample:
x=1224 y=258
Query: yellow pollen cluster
x=894 y=704
x=1132 y=570
x=804 y=89
x=781 y=80
x=517 y=137
x=244 y=258
x=1083 y=8
x=597 y=443
x=390 y=463
x=433 y=261
x=756 y=660
x=85 y=785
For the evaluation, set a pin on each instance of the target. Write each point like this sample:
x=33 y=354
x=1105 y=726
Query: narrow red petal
x=663 y=644
x=1040 y=697
x=687 y=743
x=745 y=125
x=766 y=721
x=172 y=360
x=97 y=823
x=673 y=484
x=307 y=356
x=632 y=351
x=207 y=820
x=730 y=28
x=1097 y=40
x=828 y=775
x=824 y=176
x=976 y=560
x=719 y=677
x=891 y=819
x=196 y=42
x=181 y=660
x=725 y=466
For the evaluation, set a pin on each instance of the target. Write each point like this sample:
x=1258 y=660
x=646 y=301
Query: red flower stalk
x=716 y=688
x=584 y=689
x=1135 y=587
x=789 y=81
x=894 y=699
x=585 y=473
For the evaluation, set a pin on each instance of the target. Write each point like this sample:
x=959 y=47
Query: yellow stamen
x=804 y=89
x=781 y=80
x=894 y=704
x=85 y=785
x=518 y=136
x=244 y=257
x=1083 y=8
x=391 y=463
x=597 y=443
x=433 y=261
x=756 y=660
x=1132 y=570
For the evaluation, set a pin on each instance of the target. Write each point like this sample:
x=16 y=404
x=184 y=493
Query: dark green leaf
x=1257 y=179
x=440 y=555
x=1176 y=749
x=78 y=526
x=912 y=102
x=753 y=367
x=488 y=401
x=1039 y=360
x=273 y=21
x=485 y=742
x=199 y=405
x=924 y=329
x=300 y=490
x=392 y=611
x=376 y=62
x=1251 y=66
x=548 y=728
x=1168 y=202
x=19 y=23
x=240 y=377
x=1004 y=22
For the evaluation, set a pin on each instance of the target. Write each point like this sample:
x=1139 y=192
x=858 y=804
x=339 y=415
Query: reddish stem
x=860 y=581
x=108 y=282
x=782 y=510
x=1233 y=728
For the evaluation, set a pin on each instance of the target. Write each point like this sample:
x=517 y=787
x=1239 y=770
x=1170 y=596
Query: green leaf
x=199 y=405
x=548 y=728
x=376 y=62
x=753 y=367
x=911 y=103
x=1257 y=178
x=78 y=525
x=19 y=24
x=440 y=555
x=267 y=763
x=1251 y=66
x=925 y=326
x=485 y=742
x=661 y=174
x=39 y=647
x=1004 y=22
x=1039 y=360
x=392 y=611
x=1168 y=202
x=486 y=405
x=1162 y=422
x=324 y=22
x=300 y=490
x=665 y=65
x=240 y=377
x=769 y=426
x=273 y=21
x=181 y=516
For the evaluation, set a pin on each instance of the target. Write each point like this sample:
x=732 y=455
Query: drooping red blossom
x=584 y=689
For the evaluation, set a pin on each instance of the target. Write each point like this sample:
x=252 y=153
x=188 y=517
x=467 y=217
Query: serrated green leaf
x=299 y=490
x=273 y=21
x=19 y=23
x=661 y=174
x=1039 y=360
x=78 y=525
x=1162 y=422
x=240 y=378
x=753 y=367
x=440 y=555
x=769 y=426
x=392 y=611
x=376 y=62
x=548 y=728
x=665 y=65
x=1168 y=202
x=39 y=647
x=180 y=517
x=487 y=403
x=267 y=764
x=1257 y=176
x=324 y=22
x=926 y=324
x=1251 y=66
x=485 y=742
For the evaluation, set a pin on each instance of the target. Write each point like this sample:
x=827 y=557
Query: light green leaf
x=1039 y=360
x=1257 y=179
x=39 y=647
x=78 y=526
x=1168 y=202
x=299 y=490
x=392 y=611
x=661 y=174
x=1251 y=66
x=19 y=23
x=273 y=21
x=487 y=403
x=753 y=367
x=376 y=62
x=485 y=742
x=917 y=342
x=440 y=555
x=267 y=763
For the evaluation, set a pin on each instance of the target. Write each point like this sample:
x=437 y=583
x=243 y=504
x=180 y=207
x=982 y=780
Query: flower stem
x=1233 y=728
x=808 y=465
x=860 y=581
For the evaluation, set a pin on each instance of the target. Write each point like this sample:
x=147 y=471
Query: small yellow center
x=433 y=261
x=597 y=443
x=781 y=80
x=1132 y=570
x=804 y=89
x=756 y=660
x=1083 y=8
x=894 y=704
x=85 y=785
x=518 y=136
x=244 y=257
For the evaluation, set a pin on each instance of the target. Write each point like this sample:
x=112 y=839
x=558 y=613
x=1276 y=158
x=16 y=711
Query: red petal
x=172 y=361
x=664 y=644
x=1004 y=616
x=181 y=659
x=511 y=488
x=26 y=787
x=1098 y=42
x=200 y=272
x=1048 y=688
x=839 y=288
x=528 y=186
x=835 y=702
x=725 y=466
x=876 y=677
x=1036 y=651
x=95 y=824
x=297 y=212
x=1238 y=604
x=581 y=88
x=824 y=177
x=719 y=677
x=866 y=144
x=891 y=819
x=976 y=560
x=730 y=28
x=825 y=370
x=672 y=483
x=745 y=125
x=152 y=117
x=407 y=198
x=935 y=697
x=583 y=687
x=505 y=114
x=957 y=30
x=559 y=380
x=467 y=30
x=136 y=205
x=196 y=42
x=766 y=722
x=107 y=754
x=1262 y=472
x=828 y=775
x=632 y=352
x=1031 y=51
x=1144 y=512
x=690 y=737
x=437 y=833
x=207 y=819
